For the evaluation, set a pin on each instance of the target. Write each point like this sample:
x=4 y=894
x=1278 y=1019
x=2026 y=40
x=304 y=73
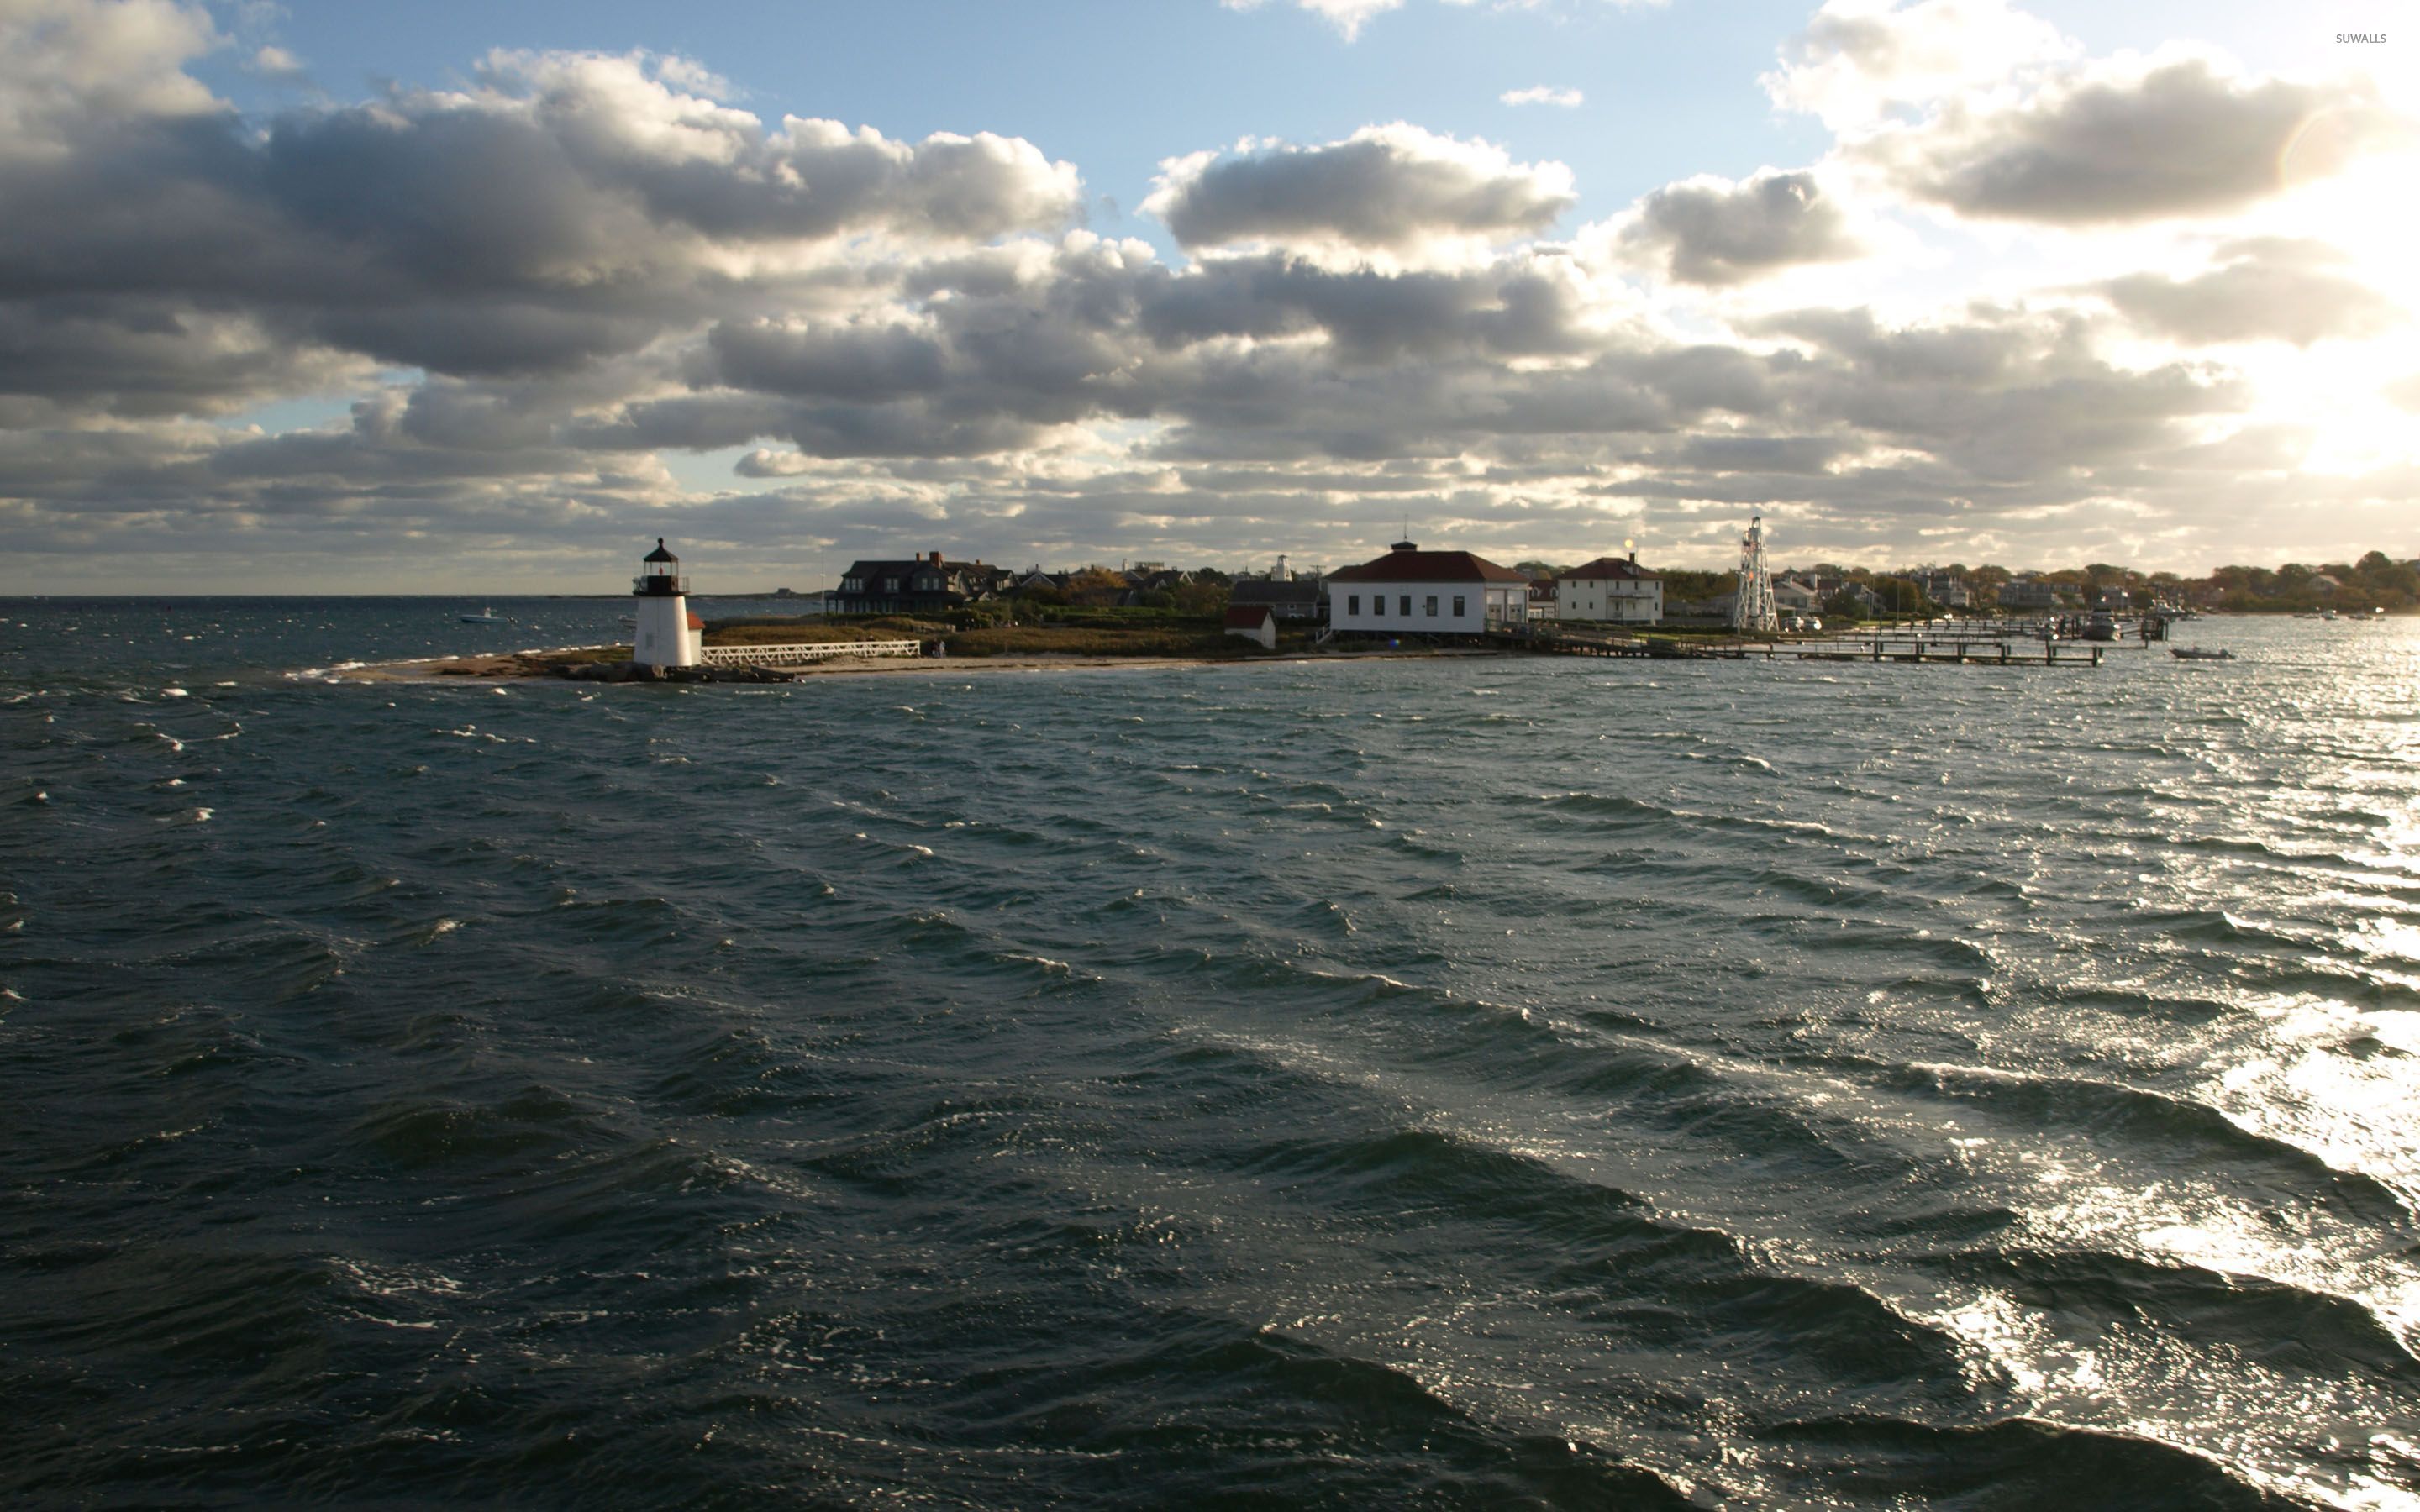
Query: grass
x=1034 y=639
x=816 y=631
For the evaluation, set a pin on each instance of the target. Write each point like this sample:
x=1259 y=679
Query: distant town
x=1617 y=589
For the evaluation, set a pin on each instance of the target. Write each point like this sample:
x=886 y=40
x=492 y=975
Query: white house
x=1610 y=589
x=1412 y=592
x=1253 y=621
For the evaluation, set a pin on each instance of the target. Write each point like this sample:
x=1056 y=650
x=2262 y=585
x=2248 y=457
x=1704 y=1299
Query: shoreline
x=527 y=666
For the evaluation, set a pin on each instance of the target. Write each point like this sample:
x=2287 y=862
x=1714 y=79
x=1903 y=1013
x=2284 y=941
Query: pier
x=1981 y=646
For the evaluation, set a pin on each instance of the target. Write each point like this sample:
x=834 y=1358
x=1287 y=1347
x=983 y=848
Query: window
x=1353 y=604
x=1406 y=610
x=891 y=585
x=1432 y=606
x=1457 y=606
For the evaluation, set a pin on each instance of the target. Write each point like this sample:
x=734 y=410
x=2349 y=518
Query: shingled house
x=917 y=585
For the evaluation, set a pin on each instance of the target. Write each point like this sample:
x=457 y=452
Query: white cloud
x=1347 y=16
x=1858 y=59
x=1543 y=95
x=278 y=66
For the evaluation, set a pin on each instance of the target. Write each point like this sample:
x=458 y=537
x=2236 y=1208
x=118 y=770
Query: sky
x=482 y=299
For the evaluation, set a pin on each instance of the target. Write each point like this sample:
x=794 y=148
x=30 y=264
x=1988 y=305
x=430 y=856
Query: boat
x=485 y=616
x=2201 y=654
x=2101 y=627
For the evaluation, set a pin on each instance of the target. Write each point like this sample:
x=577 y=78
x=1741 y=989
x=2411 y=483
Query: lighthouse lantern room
x=668 y=635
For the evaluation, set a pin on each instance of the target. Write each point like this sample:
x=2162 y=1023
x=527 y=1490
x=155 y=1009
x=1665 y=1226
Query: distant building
x=1289 y=598
x=1947 y=589
x=1254 y=623
x=1543 y=595
x=917 y=585
x=1409 y=591
x=2025 y=593
x=1612 y=589
x=1792 y=596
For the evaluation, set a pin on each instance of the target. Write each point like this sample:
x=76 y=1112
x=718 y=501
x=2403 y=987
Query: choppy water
x=1496 y=1083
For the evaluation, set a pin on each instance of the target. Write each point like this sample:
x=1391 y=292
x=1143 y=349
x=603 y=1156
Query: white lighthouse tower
x=665 y=636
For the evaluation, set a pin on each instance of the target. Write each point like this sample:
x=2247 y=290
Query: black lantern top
x=659 y=573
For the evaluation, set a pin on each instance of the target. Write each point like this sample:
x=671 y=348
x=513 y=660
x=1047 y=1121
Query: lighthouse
x=667 y=636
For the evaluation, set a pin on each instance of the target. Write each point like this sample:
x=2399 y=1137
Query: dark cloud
x=569 y=210
x=2181 y=139
x=1715 y=232
x=1384 y=188
x=2272 y=291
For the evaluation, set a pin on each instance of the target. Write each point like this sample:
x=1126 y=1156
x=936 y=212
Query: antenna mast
x=1753 y=611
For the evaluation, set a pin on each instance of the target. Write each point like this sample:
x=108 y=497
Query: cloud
x=1543 y=95
x=64 y=63
x=1711 y=231
x=1387 y=188
x=1858 y=59
x=2267 y=290
x=278 y=66
x=2127 y=142
x=535 y=286
x=566 y=209
x=1347 y=16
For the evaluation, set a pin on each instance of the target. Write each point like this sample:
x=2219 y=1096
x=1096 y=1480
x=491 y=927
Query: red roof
x=694 y=623
x=1408 y=563
x=1249 y=616
x=1611 y=567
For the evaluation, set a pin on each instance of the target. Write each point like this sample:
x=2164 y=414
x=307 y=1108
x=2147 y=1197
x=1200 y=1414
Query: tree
x=1202 y=599
x=1096 y=586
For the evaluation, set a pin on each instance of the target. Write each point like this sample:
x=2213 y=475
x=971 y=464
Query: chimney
x=934 y=557
x=1633 y=559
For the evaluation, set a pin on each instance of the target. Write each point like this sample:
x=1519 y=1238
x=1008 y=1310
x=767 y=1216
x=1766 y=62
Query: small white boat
x=485 y=616
x=2201 y=654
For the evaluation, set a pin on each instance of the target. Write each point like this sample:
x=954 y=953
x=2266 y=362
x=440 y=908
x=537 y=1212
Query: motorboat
x=2201 y=654
x=485 y=616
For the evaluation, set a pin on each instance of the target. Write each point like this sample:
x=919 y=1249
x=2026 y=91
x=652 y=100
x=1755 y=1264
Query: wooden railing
x=792 y=656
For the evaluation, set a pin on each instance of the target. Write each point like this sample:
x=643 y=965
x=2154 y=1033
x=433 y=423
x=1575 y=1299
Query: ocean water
x=1477 y=1083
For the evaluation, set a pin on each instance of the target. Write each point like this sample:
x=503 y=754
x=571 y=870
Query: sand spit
x=521 y=665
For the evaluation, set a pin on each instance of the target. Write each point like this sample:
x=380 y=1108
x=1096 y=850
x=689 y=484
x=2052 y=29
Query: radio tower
x=1752 y=609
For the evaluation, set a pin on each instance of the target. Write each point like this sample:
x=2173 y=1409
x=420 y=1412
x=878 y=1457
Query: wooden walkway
x=799 y=655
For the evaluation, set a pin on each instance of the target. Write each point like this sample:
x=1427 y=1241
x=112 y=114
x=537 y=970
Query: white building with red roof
x=1412 y=592
x=1612 y=589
